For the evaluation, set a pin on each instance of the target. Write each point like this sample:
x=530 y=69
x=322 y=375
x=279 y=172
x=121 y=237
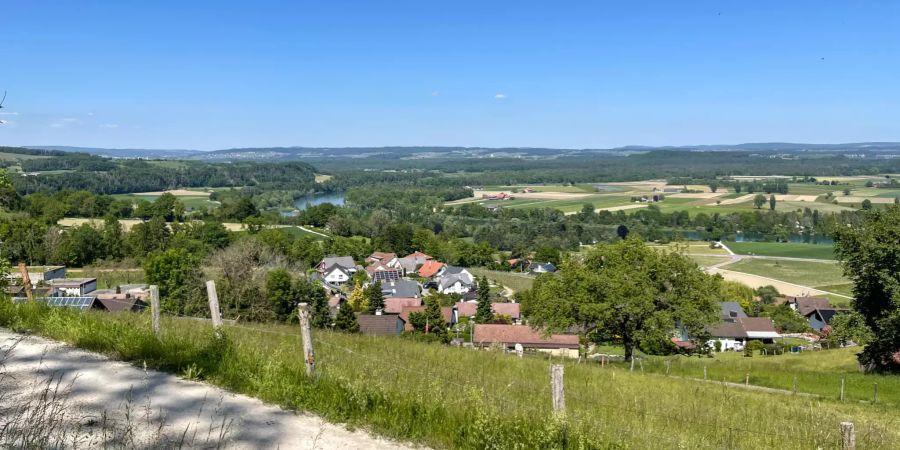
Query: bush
x=753 y=346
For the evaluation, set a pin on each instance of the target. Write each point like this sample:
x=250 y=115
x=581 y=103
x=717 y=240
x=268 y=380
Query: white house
x=455 y=284
x=336 y=274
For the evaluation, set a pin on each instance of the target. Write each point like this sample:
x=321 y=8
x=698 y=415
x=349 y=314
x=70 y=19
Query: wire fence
x=582 y=403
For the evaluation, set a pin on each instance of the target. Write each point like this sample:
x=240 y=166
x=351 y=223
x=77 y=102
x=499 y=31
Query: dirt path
x=101 y=386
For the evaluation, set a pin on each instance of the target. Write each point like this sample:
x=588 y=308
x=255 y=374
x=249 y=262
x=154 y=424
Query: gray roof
x=449 y=280
x=343 y=261
x=732 y=310
x=460 y=272
x=334 y=267
x=408 y=264
x=400 y=288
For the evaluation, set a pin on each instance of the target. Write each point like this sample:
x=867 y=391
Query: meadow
x=515 y=281
x=806 y=273
x=446 y=397
x=783 y=249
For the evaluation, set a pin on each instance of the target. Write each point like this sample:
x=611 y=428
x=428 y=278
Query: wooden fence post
x=632 y=362
x=154 y=309
x=848 y=436
x=842 y=389
x=26 y=282
x=875 y=394
x=557 y=389
x=214 y=311
x=668 y=363
x=747 y=379
x=310 y=356
x=705 y=377
x=795 y=384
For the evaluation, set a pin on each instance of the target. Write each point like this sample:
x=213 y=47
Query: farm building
x=72 y=286
x=508 y=336
x=38 y=274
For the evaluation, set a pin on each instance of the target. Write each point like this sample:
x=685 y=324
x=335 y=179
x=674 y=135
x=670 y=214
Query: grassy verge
x=460 y=398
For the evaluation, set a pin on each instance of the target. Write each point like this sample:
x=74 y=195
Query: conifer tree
x=483 y=313
x=375 y=297
x=346 y=320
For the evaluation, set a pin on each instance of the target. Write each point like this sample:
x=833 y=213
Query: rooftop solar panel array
x=71 y=302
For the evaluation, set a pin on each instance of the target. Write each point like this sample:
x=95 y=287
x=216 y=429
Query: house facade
x=336 y=274
x=38 y=274
x=509 y=336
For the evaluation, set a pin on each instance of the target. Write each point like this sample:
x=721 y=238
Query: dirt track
x=101 y=386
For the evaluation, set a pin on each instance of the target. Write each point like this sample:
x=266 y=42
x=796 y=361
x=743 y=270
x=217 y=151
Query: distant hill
x=123 y=152
x=427 y=152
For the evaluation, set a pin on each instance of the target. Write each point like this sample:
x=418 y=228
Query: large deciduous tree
x=625 y=292
x=870 y=254
x=177 y=273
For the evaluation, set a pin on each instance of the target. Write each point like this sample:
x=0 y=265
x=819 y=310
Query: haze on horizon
x=212 y=75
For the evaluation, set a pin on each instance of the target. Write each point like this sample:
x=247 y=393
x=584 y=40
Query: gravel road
x=158 y=404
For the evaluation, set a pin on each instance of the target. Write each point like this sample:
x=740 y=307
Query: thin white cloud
x=435 y=93
x=90 y=114
x=500 y=96
x=65 y=122
x=8 y=113
x=109 y=126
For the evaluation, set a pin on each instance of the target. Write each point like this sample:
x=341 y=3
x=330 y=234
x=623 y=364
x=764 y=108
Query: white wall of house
x=729 y=344
x=456 y=288
x=336 y=277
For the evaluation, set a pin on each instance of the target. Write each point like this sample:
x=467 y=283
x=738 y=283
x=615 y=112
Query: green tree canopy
x=626 y=292
x=177 y=273
x=484 y=313
x=870 y=255
x=346 y=320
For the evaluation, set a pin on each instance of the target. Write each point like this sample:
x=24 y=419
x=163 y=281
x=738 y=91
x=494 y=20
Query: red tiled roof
x=468 y=309
x=417 y=254
x=394 y=305
x=430 y=268
x=381 y=256
x=510 y=335
x=446 y=312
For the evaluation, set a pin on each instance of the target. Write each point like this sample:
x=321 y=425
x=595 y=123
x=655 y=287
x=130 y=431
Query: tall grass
x=461 y=398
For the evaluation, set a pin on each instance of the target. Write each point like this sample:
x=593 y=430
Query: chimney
x=378 y=312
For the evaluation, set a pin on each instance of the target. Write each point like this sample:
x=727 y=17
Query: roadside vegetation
x=419 y=392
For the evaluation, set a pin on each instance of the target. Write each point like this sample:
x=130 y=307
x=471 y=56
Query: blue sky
x=476 y=73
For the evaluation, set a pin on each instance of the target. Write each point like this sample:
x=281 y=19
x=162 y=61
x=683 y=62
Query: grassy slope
x=458 y=398
x=804 y=273
x=812 y=251
x=515 y=281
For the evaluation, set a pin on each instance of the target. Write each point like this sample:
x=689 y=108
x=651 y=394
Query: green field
x=785 y=249
x=805 y=273
x=190 y=202
x=577 y=189
x=447 y=397
x=515 y=281
x=17 y=157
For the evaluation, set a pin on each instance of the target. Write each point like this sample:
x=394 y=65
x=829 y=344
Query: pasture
x=783 y=249
x=805 y=273
x=513 y=280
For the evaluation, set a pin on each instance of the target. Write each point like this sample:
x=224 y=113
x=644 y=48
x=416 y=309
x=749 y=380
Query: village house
x=817 y=310
x=72 y=287
x=380 y=324
x=336 y=274
x=382 y=272
x=381 y=257
x=447 y=312
x=542 y=267
x=346 y=262
x=509 y=336
x=455 y=284
x=38 y=274
x=512 y=310
x=736 y=329
x=431 y=268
